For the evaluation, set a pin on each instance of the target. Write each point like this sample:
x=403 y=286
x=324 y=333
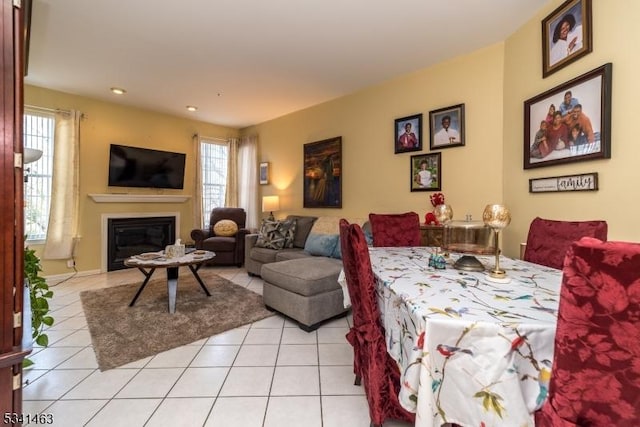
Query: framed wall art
x=426 y=173
x=571 y=122
x=264 y=173
x=446 y=127
x=323 y=173
x=557 y=184
x=408 y=134
x=566 y=35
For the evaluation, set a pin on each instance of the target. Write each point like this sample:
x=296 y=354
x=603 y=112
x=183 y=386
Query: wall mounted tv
x=143 y=167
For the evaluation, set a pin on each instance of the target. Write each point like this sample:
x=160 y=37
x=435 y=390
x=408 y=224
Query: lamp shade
x=31 y=155
x=270 y=203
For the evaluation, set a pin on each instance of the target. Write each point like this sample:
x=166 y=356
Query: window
x=213 y=170
x=38 y=131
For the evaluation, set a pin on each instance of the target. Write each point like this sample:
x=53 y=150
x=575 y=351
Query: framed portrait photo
x=571 y=122
x=446 y=127
x=426 y=174
x=264 y=173
x=323 y=174
x=566 y=35
x=408 y=134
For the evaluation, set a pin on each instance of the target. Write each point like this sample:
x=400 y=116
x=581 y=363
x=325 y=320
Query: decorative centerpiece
x=497 y=217
x=441 y=211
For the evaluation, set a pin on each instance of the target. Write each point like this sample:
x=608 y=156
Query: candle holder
x=497 y=217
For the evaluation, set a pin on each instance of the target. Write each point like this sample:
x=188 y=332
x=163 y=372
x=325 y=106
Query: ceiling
x=243 y=62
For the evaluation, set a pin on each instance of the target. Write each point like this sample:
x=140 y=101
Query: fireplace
x=127 y=236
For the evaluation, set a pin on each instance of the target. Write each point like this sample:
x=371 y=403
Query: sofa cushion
x=304 y=276
x=303 y=227
x=293 y=253
x=321 y=244
x=276 y=234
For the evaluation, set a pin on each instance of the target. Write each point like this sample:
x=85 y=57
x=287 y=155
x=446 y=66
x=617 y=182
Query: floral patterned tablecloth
x=470 y=351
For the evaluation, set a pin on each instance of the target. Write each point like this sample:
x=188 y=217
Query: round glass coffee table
x=148 y=262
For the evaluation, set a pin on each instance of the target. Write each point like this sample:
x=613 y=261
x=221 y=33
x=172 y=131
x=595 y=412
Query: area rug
x=121 y=334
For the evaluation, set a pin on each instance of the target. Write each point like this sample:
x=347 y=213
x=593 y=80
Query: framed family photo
x=566 y=35
x=571 y=122
x=322 y=167
x=446 y=127
x=426 y=173
x=264 y=173
x=408 y=134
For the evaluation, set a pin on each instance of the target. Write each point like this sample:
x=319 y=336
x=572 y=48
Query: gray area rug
x=121 y=334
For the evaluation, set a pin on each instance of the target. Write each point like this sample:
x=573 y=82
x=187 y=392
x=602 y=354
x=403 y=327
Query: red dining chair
x=395 y=229
x=548 y=240
x=595 y=380
x=372 y=364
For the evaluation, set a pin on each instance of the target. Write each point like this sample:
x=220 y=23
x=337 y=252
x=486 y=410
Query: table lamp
x=270 y=204
x=497 y=217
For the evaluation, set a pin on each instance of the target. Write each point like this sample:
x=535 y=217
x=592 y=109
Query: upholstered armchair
x=225 y=236
x=595 y=377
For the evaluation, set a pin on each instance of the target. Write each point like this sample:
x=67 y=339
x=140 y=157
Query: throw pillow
x=321 y=244
x=276 y=234
x=225 y=228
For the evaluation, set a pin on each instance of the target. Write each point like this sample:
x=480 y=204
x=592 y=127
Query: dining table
x=471 y=350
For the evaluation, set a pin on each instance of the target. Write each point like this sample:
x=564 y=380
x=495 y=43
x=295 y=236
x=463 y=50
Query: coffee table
x=148 y=262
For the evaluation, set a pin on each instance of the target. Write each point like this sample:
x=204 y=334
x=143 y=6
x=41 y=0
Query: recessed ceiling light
x=118 y=91
x=192 y=108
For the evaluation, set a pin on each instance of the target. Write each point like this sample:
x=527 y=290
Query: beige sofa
x=302 y=282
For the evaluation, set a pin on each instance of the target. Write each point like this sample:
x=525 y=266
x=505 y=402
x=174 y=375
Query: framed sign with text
x=553 y=184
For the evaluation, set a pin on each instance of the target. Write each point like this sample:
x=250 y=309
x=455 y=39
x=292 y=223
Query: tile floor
x=269 y=373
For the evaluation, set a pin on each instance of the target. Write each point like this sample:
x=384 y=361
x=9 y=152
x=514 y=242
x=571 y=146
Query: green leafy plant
x=40 y=294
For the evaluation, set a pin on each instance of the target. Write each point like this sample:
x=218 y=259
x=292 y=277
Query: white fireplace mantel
x=138 y=198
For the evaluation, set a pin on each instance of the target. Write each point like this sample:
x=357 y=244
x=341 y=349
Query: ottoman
x=304 y=289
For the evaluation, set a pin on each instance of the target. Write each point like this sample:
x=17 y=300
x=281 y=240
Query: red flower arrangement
x=437 y=199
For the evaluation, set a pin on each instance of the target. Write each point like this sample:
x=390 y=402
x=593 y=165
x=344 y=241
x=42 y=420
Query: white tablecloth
x=470 y=351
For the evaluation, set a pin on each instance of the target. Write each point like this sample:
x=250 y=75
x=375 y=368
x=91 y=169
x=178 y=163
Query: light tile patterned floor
x=266 y=374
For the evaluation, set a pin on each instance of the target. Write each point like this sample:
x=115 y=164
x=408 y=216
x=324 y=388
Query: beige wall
x=492 y=83
x=616 y=38
x=107 y=123
x=374 y=178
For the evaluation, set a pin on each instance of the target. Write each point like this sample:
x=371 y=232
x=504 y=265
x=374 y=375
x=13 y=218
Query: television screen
x=143 y=167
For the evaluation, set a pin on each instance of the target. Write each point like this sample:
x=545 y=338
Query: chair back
x=359 y=274
x=395 y=229
x=237 y=215
x=595 y=379
x=371 y=362
x=548 y=240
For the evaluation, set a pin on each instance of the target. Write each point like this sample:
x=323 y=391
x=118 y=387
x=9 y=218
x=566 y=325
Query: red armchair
x=395 y=229
x=229 y=250
x=595 y=379
x=548 y=240
x=372 y=364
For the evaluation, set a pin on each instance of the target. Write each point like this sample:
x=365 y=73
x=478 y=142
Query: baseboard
x=57 y=278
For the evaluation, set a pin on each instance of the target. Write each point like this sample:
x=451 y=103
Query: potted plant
x=38 y=295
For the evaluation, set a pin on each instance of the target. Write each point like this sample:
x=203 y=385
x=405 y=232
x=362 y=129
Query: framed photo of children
x=408 y=134
x=566 y=35
x=446 y=127
x=426 y=172
x=571 y=122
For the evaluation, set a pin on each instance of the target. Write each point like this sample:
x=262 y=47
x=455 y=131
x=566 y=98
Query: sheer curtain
x=197 y=203
x=248 y=179
x=63 y=216
x=231 y=195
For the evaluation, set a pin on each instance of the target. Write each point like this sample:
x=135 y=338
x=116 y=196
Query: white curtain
x=197 y=204
x=231 y=195
x=248 y=180
x=63 y=216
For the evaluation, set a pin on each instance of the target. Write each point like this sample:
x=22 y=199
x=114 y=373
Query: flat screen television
x=143 y=167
